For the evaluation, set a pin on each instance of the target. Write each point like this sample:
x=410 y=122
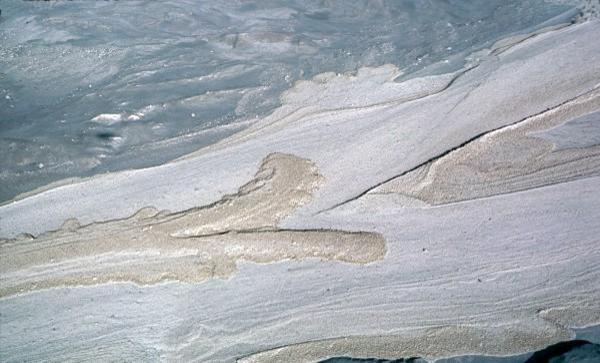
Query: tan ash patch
x=190 y=246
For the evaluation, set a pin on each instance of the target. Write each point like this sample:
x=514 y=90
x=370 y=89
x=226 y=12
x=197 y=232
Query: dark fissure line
x=446 y=152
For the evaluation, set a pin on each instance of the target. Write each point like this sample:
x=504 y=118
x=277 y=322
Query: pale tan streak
x=546 y=327
x=429 y=343
x=190 y=246
x=504 y=161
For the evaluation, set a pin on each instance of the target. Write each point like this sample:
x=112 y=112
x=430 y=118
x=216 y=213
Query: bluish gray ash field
x=300 y=181
x=93 y=86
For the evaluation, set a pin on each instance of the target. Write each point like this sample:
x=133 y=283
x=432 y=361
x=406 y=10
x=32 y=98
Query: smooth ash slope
x=508 y=269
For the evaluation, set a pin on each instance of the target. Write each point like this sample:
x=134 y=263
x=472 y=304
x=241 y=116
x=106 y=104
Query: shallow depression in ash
x=89 y=87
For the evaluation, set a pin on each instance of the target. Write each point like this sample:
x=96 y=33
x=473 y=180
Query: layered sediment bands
x=189 y=246
x=429 y=343
x=282 y=184
x=578 y=314
x=513 y=158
